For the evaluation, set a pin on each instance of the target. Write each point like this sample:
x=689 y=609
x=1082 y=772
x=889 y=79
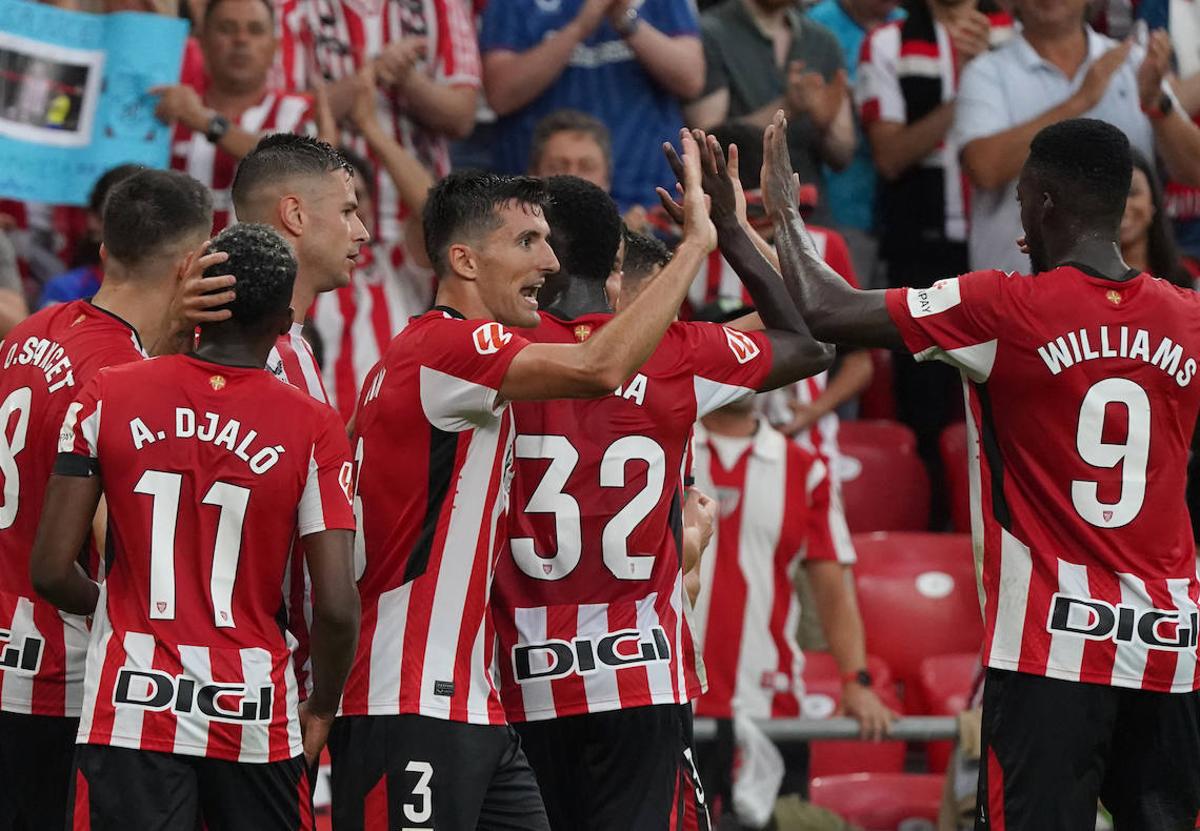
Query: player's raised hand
x=314 y=730
x=721 y=181
x=778 y=181
x=697 y=225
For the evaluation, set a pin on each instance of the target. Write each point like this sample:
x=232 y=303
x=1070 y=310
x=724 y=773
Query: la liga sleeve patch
x=942 y=295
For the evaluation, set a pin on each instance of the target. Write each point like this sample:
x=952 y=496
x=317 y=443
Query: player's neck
x=232 y=102
x=140 y=303
x=737 y=425
x=579 y=297
x=303 y=298
x=463 y=298
x=240 y=352
x=1102 y=256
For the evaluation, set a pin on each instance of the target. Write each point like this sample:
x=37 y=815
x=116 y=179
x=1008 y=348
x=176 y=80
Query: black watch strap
x=218 y=126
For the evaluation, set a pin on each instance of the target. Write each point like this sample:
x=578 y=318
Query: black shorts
x=35 y=770
x=118 y=789
x=623 y=770
x=1052 y=748
x=418 y=773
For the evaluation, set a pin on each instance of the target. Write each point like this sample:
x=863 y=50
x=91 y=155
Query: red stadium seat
x=884 y=484
x=882 y=801
x=822 y=694
x=944 y=687
x=953 y=449
x=910 y=547
x=916 y=602
x=878 y=400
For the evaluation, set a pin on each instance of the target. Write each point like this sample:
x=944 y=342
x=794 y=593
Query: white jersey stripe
x=658 y=673
x=97 y=651
x=536 y=696
x=191 y=735
x=75 y=639
x=387 y=650
x=1185 y=668
x=1016 y=568
x=256 y=675
x=1065 y=659
x=127 y=719
x=16 y=693
x=600 y=687
x=1130 y=663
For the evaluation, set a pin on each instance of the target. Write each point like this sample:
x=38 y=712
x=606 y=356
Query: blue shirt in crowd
x=75 y=284
x=850 y=194
x=603 y=78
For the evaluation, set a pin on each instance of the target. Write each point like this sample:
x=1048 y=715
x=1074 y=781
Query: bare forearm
x=334 y=640
x=833 y=591
x=758 y=274
x=852 y=377
x=837 y=149
x=411 y=178
x=12 y=310
x=1187 y=92
x=513 y=80
x=761 y=117
x=66 y=520
x=1178 y=141
x=441 y=107
x=896 y=148
x=238 y=142
x=995 y=161
x=675 y=63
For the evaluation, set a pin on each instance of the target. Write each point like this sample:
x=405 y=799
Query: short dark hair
x=569 y=121
x=643 y=254
x=585 y=228
x=212 y=4
x=265 y=268
x=106 y=182
x=464 y=204
x=151 y=209
x=280 y=156
x=363 y=169
x=1086 y=164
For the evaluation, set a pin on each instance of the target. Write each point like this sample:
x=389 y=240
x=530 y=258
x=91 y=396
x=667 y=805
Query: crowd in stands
x=908 y=123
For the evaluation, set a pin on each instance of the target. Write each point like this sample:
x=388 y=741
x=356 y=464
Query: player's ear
x=103 y=257
x=463 y=261
x=612 y=288
x=291 y=214
x=285 y=320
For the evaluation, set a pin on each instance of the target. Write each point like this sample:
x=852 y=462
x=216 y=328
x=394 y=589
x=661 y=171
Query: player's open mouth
x=530 y=294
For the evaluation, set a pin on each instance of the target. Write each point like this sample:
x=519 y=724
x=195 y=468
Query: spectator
x=625 y=63
x=774 y=515
x=1057 y=68
x=762 y=55
x=851 y=192
x=355 y=323
x=1147 y=241
x=219 y=124
x=12 y=297
x=426 y=64
x=84 y=279
x=907 y=108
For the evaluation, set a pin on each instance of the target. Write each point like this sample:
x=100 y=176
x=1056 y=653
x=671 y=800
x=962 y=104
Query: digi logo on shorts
x=583 y=656
x=24 y=656
x=743 y=346
x=490 y=337
x=158 y=691
x=1099 y=621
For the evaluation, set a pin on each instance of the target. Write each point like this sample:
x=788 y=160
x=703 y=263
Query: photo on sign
x=48 y=93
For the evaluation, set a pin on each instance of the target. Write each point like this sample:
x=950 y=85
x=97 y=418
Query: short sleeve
x=877 y=91
x=326 y=503
x=826 y=536
x=715 y=78
x=956 y=320
x=672 y=17
x=462 y=369
x=727 y=364
x=504 y=27
x=458 y=48
x=979 y=109
x=79 y=438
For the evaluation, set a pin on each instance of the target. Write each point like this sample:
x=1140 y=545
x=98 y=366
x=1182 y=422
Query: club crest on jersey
x=217 y=382
x=1114 y=297
x=742 y=345
x=490 y=337
x=78 y=320
x=727 y=501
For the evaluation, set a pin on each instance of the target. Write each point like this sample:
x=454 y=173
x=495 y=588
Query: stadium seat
x=953 y=449
x=944 y=687
x=918 y=601
x=878 y=400
x=822 y=694
x=882 y=801
x=884 y=484
x=910 y=547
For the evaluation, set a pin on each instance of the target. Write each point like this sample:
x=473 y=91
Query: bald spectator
x=219 y=124
x=625 y=63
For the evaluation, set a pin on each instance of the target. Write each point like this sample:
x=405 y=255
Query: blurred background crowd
x=908 y=124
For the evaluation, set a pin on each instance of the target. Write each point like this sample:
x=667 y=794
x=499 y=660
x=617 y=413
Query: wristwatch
x=628 y=22
x=1160 y=109
x=862 y=677
x=218 y=126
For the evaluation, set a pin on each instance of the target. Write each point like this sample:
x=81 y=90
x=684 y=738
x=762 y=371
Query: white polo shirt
x=1012 y=85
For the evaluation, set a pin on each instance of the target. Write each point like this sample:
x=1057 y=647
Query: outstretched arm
x=835 y=311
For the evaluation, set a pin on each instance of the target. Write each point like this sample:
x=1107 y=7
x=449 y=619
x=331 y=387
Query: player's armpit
x=795 y=356
x=334 y=634
x=66 y=522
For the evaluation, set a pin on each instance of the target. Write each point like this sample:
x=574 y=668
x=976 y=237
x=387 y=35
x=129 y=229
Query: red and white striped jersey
x=347 y=33
x=48 y=357
x=772 y=513
x=433 y=456
x=195 y=155
x=589 y=602
x=292 y=361
x=1081 y=403
x=206 y=488
x=293 y=46
x=358 y=321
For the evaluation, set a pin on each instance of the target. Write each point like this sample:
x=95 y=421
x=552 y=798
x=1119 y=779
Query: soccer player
x=1082 y=399
x=190 y=706
x=153 y=224
x=304 y=189
x=597 y=659
x=422 y=739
